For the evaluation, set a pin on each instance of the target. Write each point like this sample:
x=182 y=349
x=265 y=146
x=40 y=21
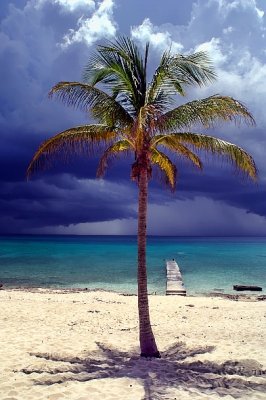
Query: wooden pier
x=174 y=282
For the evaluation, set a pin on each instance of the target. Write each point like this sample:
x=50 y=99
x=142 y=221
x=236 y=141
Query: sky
x=43 y=42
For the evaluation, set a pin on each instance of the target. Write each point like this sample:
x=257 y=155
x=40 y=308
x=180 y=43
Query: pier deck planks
x=174 y=282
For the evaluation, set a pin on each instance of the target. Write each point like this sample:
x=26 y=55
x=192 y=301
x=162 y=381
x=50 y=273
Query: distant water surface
x=109 y=262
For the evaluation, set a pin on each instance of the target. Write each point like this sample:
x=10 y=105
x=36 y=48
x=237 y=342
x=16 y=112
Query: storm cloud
x=46 y=41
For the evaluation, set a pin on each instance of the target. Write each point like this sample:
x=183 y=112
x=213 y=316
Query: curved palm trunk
x=148 y=345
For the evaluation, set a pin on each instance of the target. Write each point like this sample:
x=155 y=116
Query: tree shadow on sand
x=159 y=376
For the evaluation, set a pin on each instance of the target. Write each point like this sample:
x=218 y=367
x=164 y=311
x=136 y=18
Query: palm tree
x=134 y=115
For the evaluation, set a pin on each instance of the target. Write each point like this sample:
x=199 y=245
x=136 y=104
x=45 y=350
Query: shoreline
x=216 y=294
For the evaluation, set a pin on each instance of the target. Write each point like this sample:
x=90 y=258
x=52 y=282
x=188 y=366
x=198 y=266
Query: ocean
x=109 y=262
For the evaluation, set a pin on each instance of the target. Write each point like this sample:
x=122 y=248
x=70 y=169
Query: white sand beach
x=84 y=345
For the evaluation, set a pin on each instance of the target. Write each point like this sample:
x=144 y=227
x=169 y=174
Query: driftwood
x=243 y=287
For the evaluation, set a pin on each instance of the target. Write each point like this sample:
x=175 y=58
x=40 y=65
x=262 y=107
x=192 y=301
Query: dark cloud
x=34 y=56
x=64 y=200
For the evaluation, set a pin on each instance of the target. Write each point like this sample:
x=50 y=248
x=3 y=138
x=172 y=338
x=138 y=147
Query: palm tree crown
x=133 y=115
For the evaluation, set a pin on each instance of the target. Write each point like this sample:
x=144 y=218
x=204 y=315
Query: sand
x=84 y=345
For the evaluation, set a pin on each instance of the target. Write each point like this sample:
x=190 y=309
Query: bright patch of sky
x=70 y=5
x=226 y=6
x=147 y=32
x=213 y=48
x=90 y=29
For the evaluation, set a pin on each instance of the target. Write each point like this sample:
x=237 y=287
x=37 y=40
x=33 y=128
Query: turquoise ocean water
x=109 y=262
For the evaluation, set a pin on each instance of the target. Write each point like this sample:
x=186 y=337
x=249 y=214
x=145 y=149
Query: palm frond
x=117 y=76
x=234 y=154
x=111 y=152
x=87 y=97
x=165 y=165
x=163 y=83
x=205 y=112
x=176 y=71
x=125 y=48
x=120 y=66
x=196 y=68
x=173 y=143
x=81 y=139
